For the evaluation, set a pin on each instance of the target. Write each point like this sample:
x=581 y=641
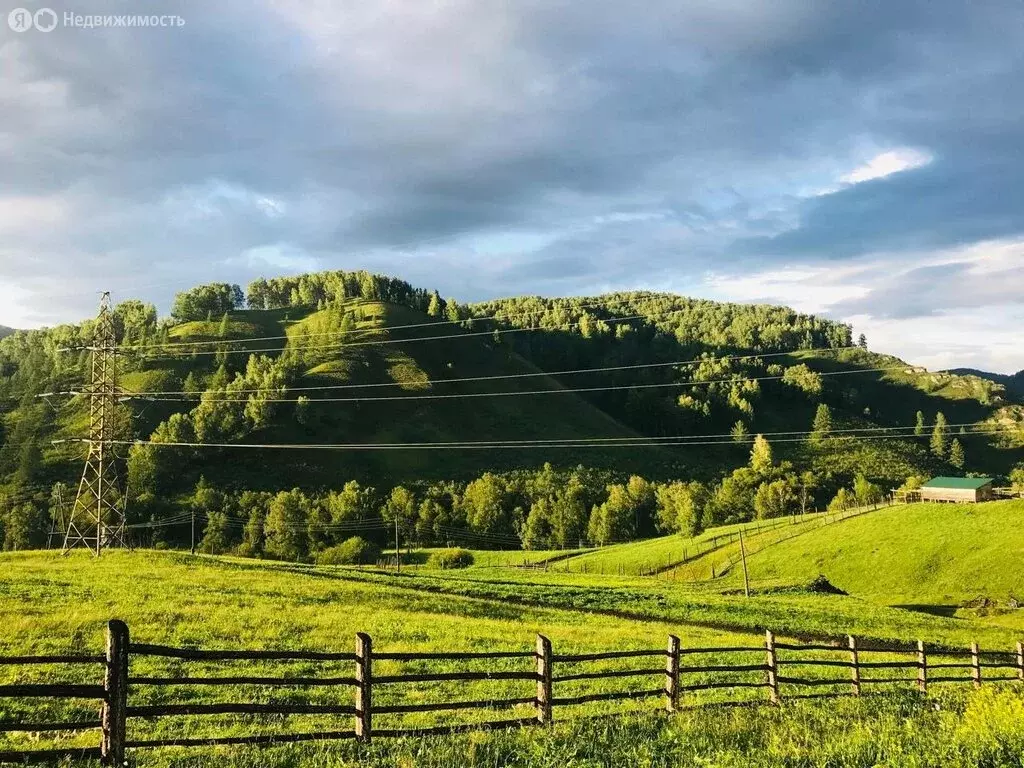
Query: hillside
x=5 y=331
x=934 y=556
x=1014 y=383
x=505 y=423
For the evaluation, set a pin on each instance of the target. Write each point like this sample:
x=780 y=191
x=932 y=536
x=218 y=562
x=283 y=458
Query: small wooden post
x=922 y=668
x=364 y=691
x=746 y=578
x=115 y=704
x=672 y=674
x=854 y=666
x=544 y=716
x=1020 y=660
x=772 y=667
x=975 y=664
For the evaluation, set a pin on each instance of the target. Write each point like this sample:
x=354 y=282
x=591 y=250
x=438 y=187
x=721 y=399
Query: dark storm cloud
x=343 y=131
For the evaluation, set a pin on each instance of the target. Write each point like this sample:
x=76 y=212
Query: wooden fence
x=675 y=672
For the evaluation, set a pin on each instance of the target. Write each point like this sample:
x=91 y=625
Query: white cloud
x=888 y=163
x=965 y=301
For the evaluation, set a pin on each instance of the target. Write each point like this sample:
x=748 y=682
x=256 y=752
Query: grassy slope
x=53 y=604
x=925 y=553
x=396 y=417
x=638 y=558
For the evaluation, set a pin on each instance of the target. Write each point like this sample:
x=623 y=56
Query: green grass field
x=929 y=554
x=50 y=604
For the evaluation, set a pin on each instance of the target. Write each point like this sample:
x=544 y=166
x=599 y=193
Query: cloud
x=886 y=164
x=489 y=148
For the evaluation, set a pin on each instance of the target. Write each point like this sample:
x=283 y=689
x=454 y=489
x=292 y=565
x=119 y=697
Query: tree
x=24 y=527
x=740 y=434
x=285 y=530
x=865 y=492
x=733 y=499
x=939 y=442
x=401 y=507
x=805 y=493
x=614 y=520
x=204 y=301
x=761 y=458
x=352 y=504
x=254 y=504
x=484 y=504
x=843 y=501
x=822 y=426
x=225 y=326
x=681 y=508
x=920 y=425
x=774 y=499
x=217 y=538
x=862 y=341
x=302 y=410
x=436 y=306
x=956 y=454
x=804 y=379
x=537 y=532
x=1017 y=478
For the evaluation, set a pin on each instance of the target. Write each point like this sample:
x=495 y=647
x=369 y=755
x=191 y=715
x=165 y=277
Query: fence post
x=364 y=690
x=115 y=704
x=772 y=667
x=1020 y=660
x=672 y=674
x=543 y=680
x=854 y=665
x=975 y=664
x=922 y=668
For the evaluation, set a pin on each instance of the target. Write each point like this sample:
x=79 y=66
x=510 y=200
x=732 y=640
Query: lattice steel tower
x=97 y=519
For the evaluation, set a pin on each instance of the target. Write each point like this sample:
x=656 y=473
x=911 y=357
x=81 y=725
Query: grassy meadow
x=889 y=558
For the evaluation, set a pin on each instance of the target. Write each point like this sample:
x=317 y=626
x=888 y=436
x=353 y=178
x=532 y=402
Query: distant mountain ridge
x=1014 y=383
x=5 y=331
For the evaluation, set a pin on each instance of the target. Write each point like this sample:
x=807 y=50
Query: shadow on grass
x=945 y=611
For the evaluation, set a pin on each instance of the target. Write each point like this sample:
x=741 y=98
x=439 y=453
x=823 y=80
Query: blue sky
x=862 y=160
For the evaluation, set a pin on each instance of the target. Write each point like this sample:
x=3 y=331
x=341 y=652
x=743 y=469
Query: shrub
x=450 y=558
x=354 y=551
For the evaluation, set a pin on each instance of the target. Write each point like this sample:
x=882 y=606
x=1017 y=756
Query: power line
x=517 y=393
x=464 y=379
x=500 y=444
x=341 y=344
x=363 y=302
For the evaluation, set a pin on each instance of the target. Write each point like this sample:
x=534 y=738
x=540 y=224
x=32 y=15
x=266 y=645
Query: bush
x=354 y=551
x=450 y=558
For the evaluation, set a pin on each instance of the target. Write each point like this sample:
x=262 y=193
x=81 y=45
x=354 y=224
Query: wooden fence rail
x=779 y=671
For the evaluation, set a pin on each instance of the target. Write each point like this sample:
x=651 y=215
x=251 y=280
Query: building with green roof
x=957 y=490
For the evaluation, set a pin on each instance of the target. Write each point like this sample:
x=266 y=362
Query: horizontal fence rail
x=780 y=668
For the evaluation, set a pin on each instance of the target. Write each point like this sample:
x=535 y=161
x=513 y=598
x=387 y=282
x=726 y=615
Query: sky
x=862 y=160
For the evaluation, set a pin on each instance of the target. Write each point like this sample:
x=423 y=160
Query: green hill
x=923 y=554
x=372 y=364
x=1014 y=383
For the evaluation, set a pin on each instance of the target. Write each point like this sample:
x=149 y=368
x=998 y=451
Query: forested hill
x=1014 y=383
x=5 y=331
x=520 y=419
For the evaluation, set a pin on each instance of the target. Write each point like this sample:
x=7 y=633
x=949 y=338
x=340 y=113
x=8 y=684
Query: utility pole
x=97 y=519
x=743 y=557
x=398 y=552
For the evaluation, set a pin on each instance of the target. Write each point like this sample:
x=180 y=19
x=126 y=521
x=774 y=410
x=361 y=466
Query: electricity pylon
x=97 y=519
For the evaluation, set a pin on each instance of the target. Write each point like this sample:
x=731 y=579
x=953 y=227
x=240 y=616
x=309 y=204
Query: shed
x=957 y=490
